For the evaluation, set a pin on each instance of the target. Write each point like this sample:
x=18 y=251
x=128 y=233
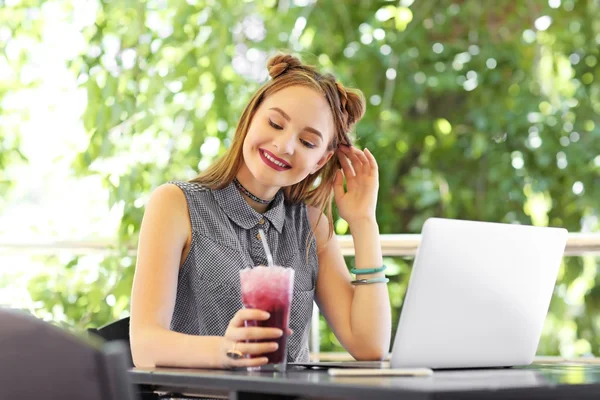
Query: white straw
x=266 y=246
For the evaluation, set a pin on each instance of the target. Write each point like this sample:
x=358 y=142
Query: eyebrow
x=288 y=119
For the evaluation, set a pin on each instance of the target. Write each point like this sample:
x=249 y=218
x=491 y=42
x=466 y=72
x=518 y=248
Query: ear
x=322 y=161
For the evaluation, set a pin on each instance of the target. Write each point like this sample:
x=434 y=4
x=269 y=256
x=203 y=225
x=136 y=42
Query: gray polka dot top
x=224 y=240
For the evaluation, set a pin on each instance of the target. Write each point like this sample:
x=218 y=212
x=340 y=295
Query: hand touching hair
x=347 y=107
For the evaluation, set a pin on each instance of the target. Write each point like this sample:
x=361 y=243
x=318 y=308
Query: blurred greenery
x=12 y=20
x=476 y=110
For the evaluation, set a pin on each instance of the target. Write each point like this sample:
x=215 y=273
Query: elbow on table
x=141 y=353
x=369 y=354
x=142 y=362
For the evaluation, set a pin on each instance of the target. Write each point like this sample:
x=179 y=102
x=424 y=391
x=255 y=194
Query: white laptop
x=477 y=296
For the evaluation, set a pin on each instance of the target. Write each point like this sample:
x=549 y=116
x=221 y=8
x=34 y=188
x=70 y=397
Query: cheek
x=253 y=137
x=250 y=140
x=310 y=162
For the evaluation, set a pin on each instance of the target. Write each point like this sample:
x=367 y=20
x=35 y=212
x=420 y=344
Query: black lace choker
x=247 y=193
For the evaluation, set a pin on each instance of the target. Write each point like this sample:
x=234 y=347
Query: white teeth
x=273 y=160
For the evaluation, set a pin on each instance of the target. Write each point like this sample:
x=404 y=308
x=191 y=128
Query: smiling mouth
x=274 y=162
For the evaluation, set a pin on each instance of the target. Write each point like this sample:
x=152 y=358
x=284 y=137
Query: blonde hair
x=347 y=107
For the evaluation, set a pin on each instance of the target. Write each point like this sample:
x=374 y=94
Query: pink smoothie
x=270 y=289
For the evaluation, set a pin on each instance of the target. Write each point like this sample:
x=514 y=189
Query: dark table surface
x=535 y=381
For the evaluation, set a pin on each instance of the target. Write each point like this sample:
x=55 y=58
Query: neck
x=258 y=207
x=264 y=193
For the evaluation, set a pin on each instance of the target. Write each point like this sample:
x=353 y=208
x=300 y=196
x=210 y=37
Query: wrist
x=218 y=361
x=358 y=224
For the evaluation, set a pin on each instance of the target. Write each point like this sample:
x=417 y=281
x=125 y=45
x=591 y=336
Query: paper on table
x=380 y=372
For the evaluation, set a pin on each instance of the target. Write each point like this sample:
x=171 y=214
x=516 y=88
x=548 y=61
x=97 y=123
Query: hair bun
x=352 y=104
x=281 y=63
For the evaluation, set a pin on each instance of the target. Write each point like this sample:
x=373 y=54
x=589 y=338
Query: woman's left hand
x=359 y=200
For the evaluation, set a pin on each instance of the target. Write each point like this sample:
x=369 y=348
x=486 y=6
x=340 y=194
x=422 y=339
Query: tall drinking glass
x=270 y=289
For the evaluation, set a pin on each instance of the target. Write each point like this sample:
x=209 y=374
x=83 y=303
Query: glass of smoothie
x=270 y=289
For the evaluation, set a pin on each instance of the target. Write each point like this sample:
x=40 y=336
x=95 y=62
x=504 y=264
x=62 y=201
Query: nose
x=284 y=143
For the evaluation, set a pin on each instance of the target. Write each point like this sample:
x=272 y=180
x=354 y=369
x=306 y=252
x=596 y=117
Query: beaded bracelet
x=368 y=271
x=369 y=281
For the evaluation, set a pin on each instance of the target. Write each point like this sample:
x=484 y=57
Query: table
x=537 y=381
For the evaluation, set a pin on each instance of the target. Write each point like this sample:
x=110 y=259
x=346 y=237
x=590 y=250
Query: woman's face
x=288 y=137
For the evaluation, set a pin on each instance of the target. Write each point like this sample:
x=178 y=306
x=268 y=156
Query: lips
x=272 y=161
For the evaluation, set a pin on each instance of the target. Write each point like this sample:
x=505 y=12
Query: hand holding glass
x=270 y=289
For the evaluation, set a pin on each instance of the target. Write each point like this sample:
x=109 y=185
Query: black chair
x=118 y=331
x=40 y=360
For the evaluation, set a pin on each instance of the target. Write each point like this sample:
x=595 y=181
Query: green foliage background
x=473 y=113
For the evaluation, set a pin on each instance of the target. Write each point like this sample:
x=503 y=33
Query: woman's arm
x=360 y=316
x=371 y=314
x=164 y=236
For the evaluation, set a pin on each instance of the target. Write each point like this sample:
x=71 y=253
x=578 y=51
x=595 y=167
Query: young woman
x=280 y=175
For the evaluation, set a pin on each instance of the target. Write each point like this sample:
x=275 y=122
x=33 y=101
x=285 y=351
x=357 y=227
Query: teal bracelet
x=368 y=271
x=368 y=281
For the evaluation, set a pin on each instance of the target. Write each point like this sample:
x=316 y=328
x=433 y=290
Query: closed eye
x=304 y=142
x=274 y=125
x=307 y=144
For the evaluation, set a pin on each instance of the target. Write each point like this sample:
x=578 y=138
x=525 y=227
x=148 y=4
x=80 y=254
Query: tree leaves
x=471 y=112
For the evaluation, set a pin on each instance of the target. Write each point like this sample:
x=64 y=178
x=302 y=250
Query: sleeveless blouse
x=224 y=241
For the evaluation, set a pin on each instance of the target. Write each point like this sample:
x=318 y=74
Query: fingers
x=252 y=341
x=248 y=362
x=254 y=349
x=248 y=314
x=364 y=161
x=338 y=184
x=346 y=164
x=359 y=160
x=253 y=333
x=372 y=162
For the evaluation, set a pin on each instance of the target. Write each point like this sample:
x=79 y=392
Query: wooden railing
x=392 y=245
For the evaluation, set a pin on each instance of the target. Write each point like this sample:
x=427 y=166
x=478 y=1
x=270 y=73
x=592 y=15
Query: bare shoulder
x=168 y=208
x=168 y=190
x=167 y=195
